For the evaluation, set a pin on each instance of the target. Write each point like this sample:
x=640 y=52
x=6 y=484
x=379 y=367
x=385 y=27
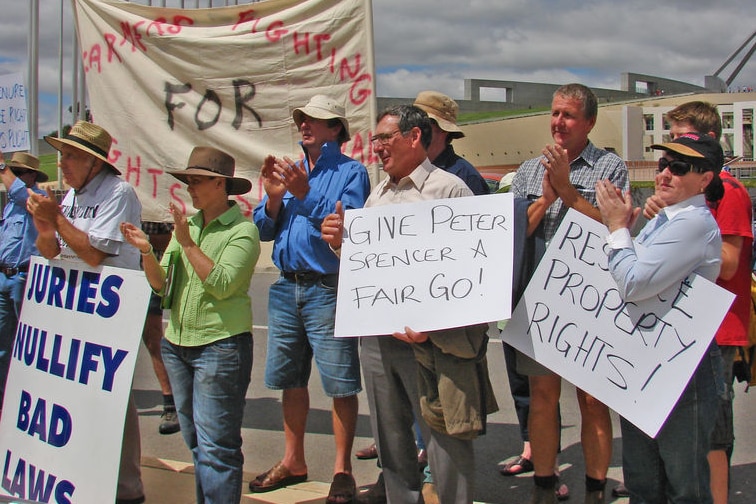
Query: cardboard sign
x=14 y=123
x=70 y=377
x=427 y=265
x=635 y=357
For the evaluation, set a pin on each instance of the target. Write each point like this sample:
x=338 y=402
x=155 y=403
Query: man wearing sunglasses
x=17 y=236
x=733 y=215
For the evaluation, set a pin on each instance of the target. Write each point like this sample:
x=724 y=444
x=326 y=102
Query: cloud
x=437 y=44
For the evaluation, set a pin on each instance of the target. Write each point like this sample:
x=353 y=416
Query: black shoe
x=620 y=491
x=169 y=423
x=373 y=494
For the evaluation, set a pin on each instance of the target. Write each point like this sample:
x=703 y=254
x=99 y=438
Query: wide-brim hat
x=696 y=146
x=89 y=138
x=322 y=107
x=442 y=109
x=27 y=161
x=212 y=162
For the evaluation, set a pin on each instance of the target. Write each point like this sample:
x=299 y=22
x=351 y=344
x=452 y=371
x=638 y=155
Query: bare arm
x=731 y=247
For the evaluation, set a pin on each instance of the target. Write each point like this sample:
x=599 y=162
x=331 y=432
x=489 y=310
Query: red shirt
x=733 y=213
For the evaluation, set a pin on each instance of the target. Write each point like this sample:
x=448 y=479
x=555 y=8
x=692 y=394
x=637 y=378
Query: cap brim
x=447 y=126
x=679 y=149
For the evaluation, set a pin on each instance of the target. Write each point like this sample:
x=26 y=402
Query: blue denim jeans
x=672 y=467
x=11 y=296
x=301 y=317
x=209 y=386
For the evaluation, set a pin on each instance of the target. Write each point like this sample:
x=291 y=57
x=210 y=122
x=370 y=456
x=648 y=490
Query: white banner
x=69 y=382
x=164 y=80
x=14 y=123
x=428 y=265
x=635 y=357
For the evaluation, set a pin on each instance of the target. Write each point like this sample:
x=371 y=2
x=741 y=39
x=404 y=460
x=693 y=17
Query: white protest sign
x=163 y=80
x=69 y=381
x=428 y=265
x=635 y=357
x=14 y=124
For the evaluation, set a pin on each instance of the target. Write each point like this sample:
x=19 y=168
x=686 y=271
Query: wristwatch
x=2 y=166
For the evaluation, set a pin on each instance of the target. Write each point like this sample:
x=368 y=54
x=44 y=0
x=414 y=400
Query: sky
x=436 y=44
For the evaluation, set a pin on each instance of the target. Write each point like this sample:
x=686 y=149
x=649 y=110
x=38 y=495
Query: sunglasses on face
x=676 y=167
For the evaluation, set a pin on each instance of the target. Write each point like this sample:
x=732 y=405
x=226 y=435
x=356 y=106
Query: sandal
x=517 y=466
x=276 y=477
x=343 y=489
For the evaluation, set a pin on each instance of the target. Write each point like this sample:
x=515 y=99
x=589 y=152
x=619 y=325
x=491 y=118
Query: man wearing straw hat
x=302 y=302
x=17 y=236
x=85 y=227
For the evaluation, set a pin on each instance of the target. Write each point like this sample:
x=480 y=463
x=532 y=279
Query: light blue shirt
x=682 y=239
x=17 y=234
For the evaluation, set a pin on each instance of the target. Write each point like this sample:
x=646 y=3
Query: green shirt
x=219 y=307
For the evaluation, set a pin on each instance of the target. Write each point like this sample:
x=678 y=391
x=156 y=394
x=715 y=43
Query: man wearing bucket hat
x=85 y=227
x=207 y=347
x=17 y=237
x=442 y=111
x=302 y=302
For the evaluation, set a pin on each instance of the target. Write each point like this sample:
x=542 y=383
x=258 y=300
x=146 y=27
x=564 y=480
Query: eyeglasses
x=676 y=167
x=383 y=138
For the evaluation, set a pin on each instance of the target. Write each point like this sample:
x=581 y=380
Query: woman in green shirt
x=207 y=347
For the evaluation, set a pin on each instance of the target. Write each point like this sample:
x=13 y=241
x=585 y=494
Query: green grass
x=48 y=163
x=471 y=117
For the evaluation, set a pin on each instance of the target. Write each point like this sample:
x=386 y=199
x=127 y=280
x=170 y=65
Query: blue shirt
x=298 y=245
x=18 y=234
x=451 y=162
x=682 y=239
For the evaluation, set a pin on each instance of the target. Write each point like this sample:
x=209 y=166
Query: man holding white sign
x=564 y=178
x=672 y=466
x=85 y=227
x=392 y=364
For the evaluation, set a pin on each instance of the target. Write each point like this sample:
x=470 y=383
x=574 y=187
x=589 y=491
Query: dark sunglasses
x=676 y=167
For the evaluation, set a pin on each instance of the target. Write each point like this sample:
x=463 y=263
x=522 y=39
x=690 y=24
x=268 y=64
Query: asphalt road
x=263 y=433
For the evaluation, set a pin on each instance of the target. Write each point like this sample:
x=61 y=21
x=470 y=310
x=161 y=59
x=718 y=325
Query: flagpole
x=33 y=80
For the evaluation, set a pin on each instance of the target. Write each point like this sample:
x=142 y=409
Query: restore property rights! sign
x=635 y=357
x=69 y=382
x=14 y=126
x=427 y=265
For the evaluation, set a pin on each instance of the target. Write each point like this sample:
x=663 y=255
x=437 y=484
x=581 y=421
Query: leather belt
x=9 y=271
x=305 y=276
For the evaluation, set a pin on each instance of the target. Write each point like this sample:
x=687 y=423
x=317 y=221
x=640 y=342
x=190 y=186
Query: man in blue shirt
x=302 y=303
x=17 y=236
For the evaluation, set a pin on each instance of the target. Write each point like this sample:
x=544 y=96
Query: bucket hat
x=442 y=109
x=26 y=161
x=322 y=107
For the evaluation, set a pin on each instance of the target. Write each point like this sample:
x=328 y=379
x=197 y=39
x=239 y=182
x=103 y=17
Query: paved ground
x=263 y=435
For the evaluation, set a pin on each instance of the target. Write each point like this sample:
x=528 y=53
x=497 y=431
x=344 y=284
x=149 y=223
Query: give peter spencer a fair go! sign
x=74 y=354
x=428 y=265
x=635 y=357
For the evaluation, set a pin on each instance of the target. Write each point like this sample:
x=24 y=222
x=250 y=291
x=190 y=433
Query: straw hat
x=443 y=109
x=322 y=107
x=212 y=162
x=89 y=138
x=26 y=161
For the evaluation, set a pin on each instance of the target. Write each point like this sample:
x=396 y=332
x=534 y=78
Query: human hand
x=616 y=209
x=135 y=237
x=653 y=206
x=549 y=194
x=43 y=208
x=557 y=166
x=410 y=336
x=332 y=227
x=293 y=176
x=180 y=226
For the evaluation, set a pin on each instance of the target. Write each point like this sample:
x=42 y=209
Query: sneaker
x=169 y=423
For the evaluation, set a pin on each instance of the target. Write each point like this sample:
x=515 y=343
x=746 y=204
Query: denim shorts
x=301 y=316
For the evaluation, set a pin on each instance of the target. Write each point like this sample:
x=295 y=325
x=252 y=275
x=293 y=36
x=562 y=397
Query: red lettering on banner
x=133 y=168
x=179 y=202
x=360 y=90
x=131 y=35
x=358 y=95
x=110 y=40
x=245 y=205
x=154 y=172
x=273 y=33
x=114 y=155
x=304 y=43
x=358 y=150
x=178 y=22
x=245 y=17
x=157 y=24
